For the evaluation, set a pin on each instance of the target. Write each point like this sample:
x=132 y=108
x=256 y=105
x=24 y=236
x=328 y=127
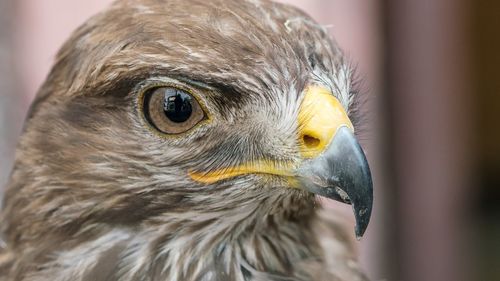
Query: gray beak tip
x=362 y=220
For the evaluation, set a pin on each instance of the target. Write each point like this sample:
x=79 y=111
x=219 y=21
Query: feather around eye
x=171 y=110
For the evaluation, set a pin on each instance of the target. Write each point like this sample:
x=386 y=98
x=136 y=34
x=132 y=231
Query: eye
x=171 y=110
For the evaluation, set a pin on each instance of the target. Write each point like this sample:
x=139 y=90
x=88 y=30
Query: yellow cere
x=320 y=117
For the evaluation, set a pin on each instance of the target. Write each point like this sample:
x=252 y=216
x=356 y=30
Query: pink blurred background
x=432 y=143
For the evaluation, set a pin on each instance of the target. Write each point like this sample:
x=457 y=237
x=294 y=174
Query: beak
x=336 y=167
x=334 y=164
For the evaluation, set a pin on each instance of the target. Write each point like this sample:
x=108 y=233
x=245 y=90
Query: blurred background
x=432 y=70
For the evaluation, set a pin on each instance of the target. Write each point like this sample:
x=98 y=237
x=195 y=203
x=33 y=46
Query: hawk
x=188 y=140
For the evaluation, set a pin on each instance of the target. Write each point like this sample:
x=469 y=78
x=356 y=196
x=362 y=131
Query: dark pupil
x=177 y=105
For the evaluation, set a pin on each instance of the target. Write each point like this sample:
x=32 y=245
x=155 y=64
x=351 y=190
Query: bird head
x=158 y=107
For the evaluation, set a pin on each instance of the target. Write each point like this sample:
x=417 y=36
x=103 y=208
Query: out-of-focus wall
x=486 y=38
x=10 y=103
x=432 y=116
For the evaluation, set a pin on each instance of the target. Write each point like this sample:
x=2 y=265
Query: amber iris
x=172 y=110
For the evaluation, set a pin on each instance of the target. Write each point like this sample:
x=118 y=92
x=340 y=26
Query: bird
x=190 y=140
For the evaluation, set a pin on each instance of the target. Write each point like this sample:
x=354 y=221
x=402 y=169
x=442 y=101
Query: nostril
x=310 y=141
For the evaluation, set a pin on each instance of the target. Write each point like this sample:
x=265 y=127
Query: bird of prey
x=189 y=140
